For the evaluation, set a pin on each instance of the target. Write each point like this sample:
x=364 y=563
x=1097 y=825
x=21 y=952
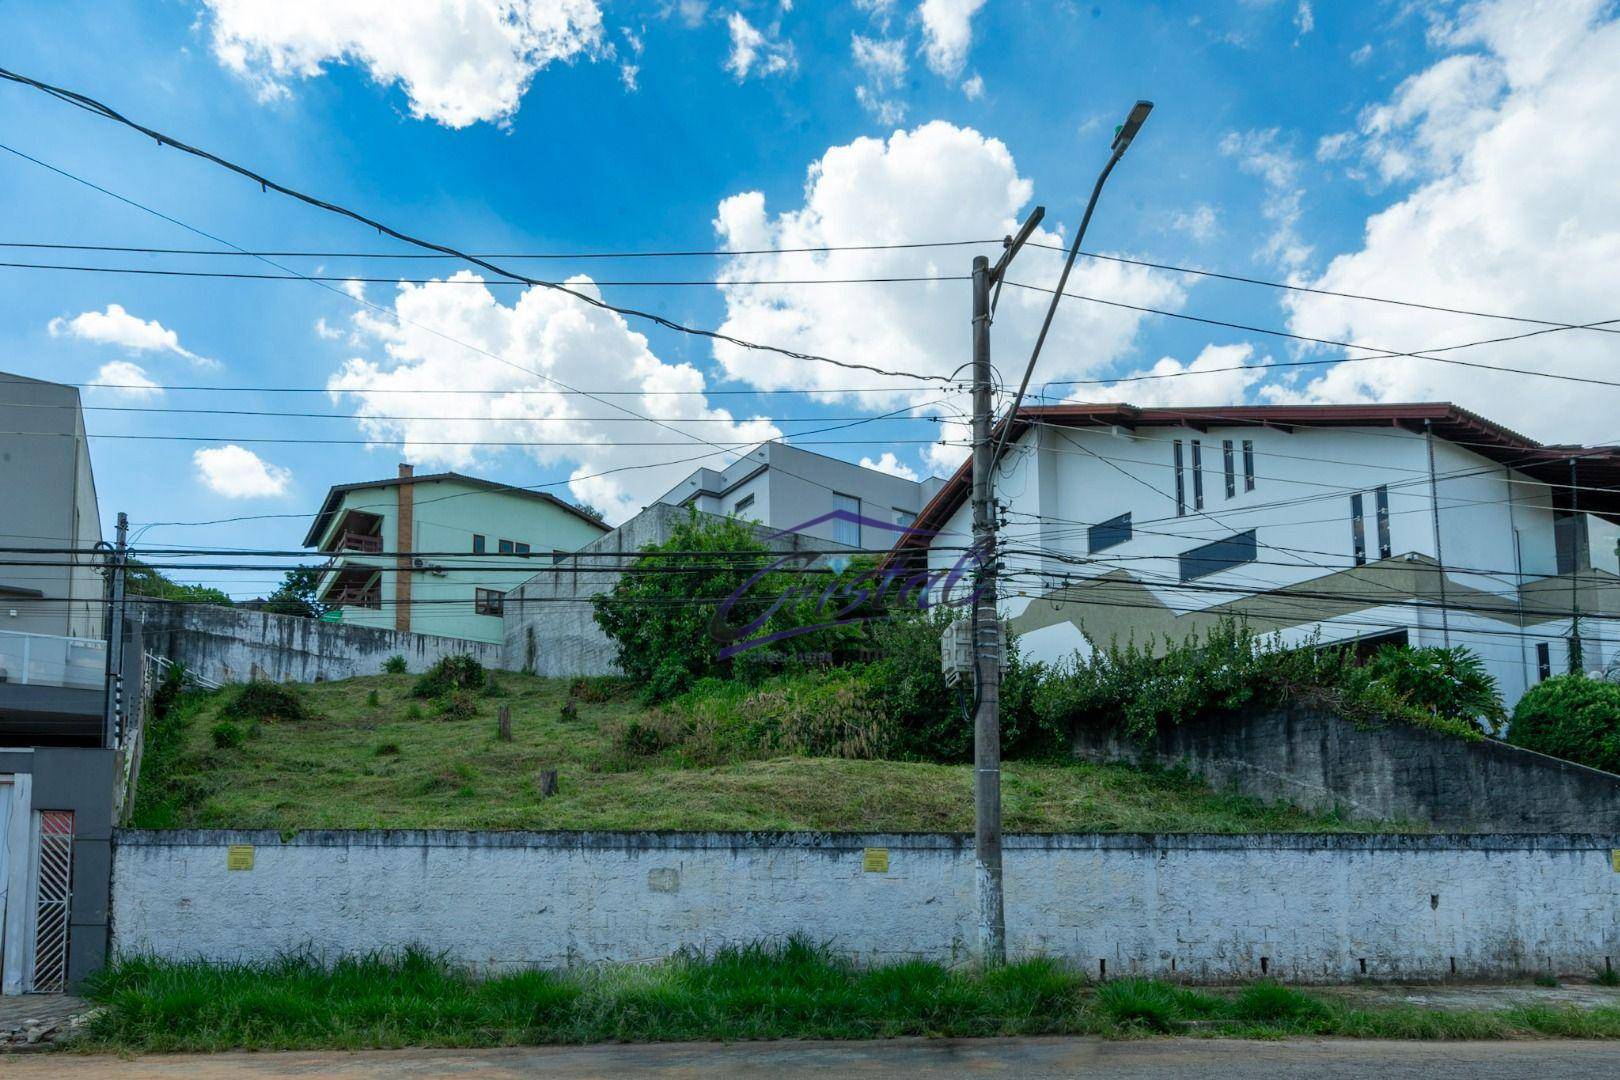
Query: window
x=1212 y=558
x=742 y=504
x=1543 y=660
x=847 y=532
x=1226 y=460
x=1198 y=474
x=512 y=547
x=505 y=547
x=1110 y=533
x=478 y=543
x=1248 y=464
x=521 y=549
x=904 y=518
x=1358 y=531
x=487 y=601
x=558 y=555
x=1381 y=501
x=1181 y=482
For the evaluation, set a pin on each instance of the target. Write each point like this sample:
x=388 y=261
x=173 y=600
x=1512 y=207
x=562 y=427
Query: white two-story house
x=1416 y=523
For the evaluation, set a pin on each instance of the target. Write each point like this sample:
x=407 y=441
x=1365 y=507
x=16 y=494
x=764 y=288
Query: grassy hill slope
x=374 y=757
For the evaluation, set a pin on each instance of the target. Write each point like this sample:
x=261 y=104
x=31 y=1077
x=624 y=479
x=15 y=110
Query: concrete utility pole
x=115 y=634
x=988 y=648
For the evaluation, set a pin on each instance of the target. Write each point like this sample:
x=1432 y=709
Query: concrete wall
x=1314 y=908
x=549 y=621
x=49 y=497
x=234 y=644
x=1394 y=772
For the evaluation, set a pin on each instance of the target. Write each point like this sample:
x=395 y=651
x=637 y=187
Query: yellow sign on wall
x=875 y=860
x=1614 y=859
x=239 y=857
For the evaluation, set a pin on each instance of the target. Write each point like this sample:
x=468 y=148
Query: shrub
x=1139 y=1003
x=373 y=700
x=595 y=689
x=662 y=612
x=1572 y=717
x=395 y=665
x=227 y=736
x=641 y=738
x=1268 y=1002
x=266 y=701
x=458 y=705
x=836 y=713
x=460 y=672
x=387 y=749
x=1449 y=684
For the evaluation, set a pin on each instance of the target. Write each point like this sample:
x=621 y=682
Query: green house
x=436 y=553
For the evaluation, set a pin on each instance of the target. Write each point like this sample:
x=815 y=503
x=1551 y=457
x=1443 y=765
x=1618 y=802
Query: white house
x=1417 y=523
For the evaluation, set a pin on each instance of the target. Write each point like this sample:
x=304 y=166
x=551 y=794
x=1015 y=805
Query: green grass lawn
x=793 y=990
x=396 y=764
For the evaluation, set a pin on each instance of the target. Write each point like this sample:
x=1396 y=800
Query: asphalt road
x=912 y=1059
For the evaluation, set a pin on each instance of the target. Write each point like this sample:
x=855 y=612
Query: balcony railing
x=48 y=660
x=370 y=543
x=365 y=598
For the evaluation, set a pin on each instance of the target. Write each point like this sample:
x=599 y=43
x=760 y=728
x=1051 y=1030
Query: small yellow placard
x=239 y=857
x=875 y=860
x=1614 y=859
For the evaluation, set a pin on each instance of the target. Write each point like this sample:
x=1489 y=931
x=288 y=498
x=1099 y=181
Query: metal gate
x=55 y=893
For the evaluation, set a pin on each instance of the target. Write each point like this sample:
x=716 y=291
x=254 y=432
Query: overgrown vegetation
x=450 y=673
x=395 y=665
x=400 y=765
x=265 y=701
x=1573 y=717
x=142 y=580
x=791 y=990
x=1451 y=686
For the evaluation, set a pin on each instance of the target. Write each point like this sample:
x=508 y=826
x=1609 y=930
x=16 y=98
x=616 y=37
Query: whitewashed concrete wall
x=1314 y=908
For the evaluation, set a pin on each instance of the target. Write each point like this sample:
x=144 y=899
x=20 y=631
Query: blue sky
x=1398 y=149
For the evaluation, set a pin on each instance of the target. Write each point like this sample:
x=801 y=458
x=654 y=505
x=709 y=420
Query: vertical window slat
x=1358 y=530
x=1226 y=462
x=1248 y=464
x=1181 y=482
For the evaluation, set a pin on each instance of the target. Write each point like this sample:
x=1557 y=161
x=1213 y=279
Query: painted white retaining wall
x=1203 y=907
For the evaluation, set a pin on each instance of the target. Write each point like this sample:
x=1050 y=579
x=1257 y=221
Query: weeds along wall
x=1308 y=908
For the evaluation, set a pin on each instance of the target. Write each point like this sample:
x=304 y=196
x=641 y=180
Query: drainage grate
x=55 y=893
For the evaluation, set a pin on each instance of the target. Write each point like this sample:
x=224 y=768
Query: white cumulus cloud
x=1512 y=147
x=934 y=181
x=887 y=463
x=947 y=33
x=238 y=473
x=1219 y=375
x=118 y=327
x=754 y=52
x=454 y=335
x=458 y=61
x=882 y=62
x=125 y=380
x=1266 y=154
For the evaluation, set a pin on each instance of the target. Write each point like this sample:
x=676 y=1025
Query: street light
x=1122 y=140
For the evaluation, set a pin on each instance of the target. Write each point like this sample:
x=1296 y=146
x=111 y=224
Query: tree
x=296 y=594
x=143 y=580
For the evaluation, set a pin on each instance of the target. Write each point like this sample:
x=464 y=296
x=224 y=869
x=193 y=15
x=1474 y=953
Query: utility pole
x=115 y=634
x=989 y=651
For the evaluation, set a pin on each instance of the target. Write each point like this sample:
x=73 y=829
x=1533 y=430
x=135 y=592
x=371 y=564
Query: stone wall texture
x=236 y=644
x=1306 y=908
x=1391 y=772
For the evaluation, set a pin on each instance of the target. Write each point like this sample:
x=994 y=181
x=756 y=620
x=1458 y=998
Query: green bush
x=395 y=665
x=460 y=672
x=838 y=713
x=1573 y=717
x=266 y=701
x=662 y=613
x=373 y=699
x=458 y=705
x=1450 y=684
x=227 y=736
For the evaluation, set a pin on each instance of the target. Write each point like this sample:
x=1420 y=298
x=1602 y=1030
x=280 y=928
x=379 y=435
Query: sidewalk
x=910 y=1059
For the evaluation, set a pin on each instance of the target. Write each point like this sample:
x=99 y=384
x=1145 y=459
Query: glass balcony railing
x=47 y=660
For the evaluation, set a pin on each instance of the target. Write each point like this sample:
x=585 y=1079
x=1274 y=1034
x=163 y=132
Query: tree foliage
x=296 y=594
x=143 y=580
x=1573 y=717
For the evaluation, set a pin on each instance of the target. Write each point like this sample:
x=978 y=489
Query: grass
x=790 y=990
x=365 y=754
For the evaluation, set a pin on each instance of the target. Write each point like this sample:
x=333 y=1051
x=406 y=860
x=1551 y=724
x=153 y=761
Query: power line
x=97 y=108
x=223 y=275
x=200 y=387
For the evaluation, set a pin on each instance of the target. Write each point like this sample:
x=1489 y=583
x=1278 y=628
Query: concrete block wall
x=1311 y=758
x=1306 y=908
x=236 y=644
